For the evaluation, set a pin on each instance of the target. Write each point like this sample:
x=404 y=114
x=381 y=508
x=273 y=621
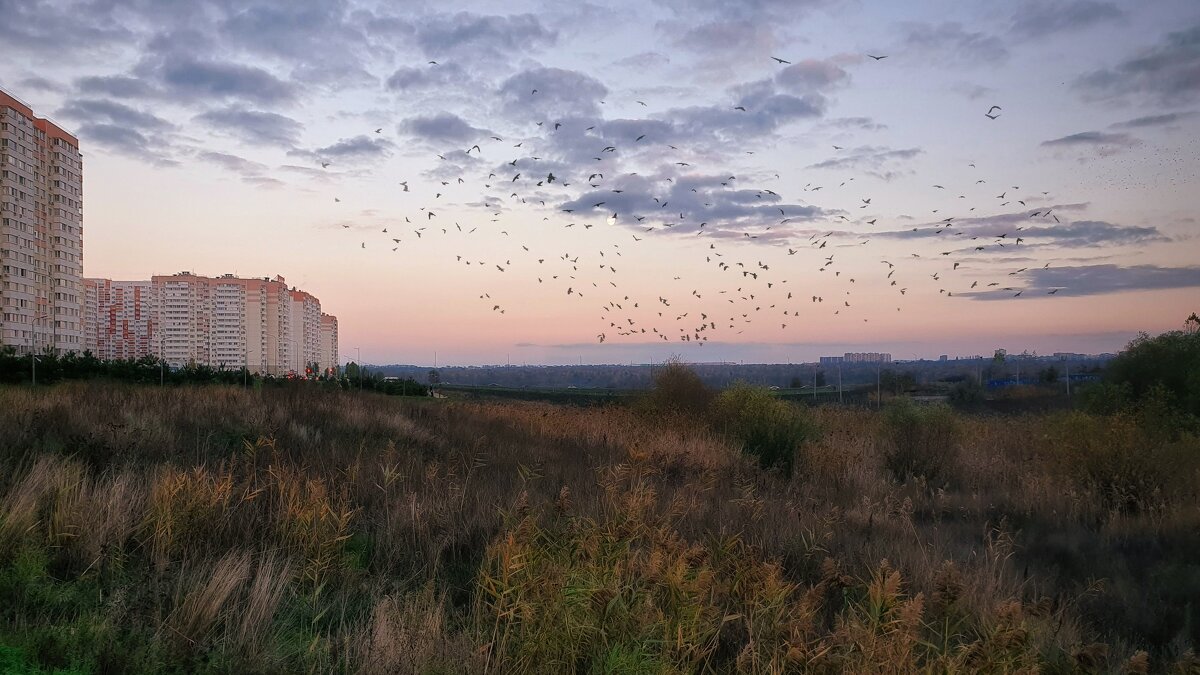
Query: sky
x=717 y=180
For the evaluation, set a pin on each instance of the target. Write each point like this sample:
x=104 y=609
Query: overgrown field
x=215 y=529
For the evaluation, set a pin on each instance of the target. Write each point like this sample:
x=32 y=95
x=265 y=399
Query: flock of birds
x=749 y=289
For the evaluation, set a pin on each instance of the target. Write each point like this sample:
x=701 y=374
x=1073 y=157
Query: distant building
x=120 y=318
x=41 y=232
x=329 y=342
x=944 y=358
x=831 y=360
x=227 y=321
x=867 y=357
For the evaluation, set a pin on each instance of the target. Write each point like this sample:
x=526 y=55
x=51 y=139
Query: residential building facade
x=41 y=232
x=224 y=322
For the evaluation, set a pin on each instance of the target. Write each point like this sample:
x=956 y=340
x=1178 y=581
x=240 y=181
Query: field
x=297 y=529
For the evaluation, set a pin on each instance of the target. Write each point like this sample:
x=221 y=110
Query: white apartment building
x=329 y=342
x=225 y=321
x=41 y=232
x=120 y=318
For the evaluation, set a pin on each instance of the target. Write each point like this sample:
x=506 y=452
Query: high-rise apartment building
x=329 y=342
x=41 y=232
x=225 y=321
x=306 y=330
x=120 y=318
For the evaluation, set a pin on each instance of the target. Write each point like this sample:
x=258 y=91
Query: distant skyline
x=205 y=127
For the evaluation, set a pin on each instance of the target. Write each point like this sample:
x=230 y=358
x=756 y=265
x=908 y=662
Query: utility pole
x=814 y=384
x=1067 y=365
x=840 y=399
x=358 y=350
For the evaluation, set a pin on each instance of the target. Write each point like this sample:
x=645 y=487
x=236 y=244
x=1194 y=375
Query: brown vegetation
x=298 y=530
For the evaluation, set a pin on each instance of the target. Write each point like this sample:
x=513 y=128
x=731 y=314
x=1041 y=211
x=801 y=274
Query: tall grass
x=229 y=530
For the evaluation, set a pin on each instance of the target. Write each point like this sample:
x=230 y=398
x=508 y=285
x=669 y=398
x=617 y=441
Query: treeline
x=50 y=367
x=905 y=375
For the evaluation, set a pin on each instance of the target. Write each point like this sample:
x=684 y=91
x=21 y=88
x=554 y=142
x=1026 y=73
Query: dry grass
x=302 y=530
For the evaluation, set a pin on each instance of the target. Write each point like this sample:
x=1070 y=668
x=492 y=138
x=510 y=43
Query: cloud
x=560 y=93
x=416 y=78
x=126 y=141
x=713 y=199
x=1103 y=143
x=441 y=127
x=233 y=163
x=1042 y=18
x=717 y=42
x=1168 y=72
x=952 y=43
x=482 y=36
x=35 y=26
x=970 y=91
x=119 y=86
x=810 y=76
x=643 y=61
x=191 y=79
x=1087 y=280
x=863 y=123
x=41 y=84
x=879 y=161
x=758 y=10
x=111 y=112
x=254 y=127
x=1164 y=120
x=360 y=148
x=1042 y=231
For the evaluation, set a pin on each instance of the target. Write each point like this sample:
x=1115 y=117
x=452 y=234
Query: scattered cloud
x=643 y=61
x=233 y=163
x=358 y=149
x=952 y=42
x=111 y=112
x=187 y=78
x=254 y=127
x=441 y=127
x=482 y=36
x=1036 y=19
x=1086 y=280
x=126 y=141
x=551 y=93
x=1102 y=143
x=1164 y=120
x=879 y=161
x=1168 y=72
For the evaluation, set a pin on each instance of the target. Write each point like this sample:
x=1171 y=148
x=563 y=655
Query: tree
x=435 y=378
x=1170 y=361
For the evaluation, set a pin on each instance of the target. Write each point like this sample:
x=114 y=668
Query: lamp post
x=358 y=351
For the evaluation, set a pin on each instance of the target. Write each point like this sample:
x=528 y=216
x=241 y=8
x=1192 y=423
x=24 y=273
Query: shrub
x=966 y=393
x=769 y=429
x=1132 y=468
x=677 y=390
x=1170 y=360
x=920 y=441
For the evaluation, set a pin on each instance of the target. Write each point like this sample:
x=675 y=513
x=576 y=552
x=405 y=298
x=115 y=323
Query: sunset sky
x=204 y=126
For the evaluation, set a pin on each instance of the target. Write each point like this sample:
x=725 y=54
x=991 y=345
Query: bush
x=1132 y=466
x=1170 y=361
x=677 y=390
x=920 y=441
x=769 y=429
x=966 y=393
